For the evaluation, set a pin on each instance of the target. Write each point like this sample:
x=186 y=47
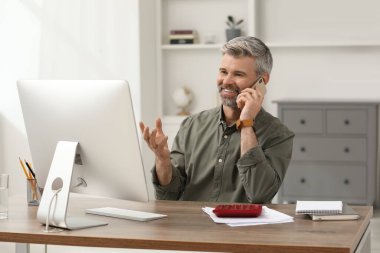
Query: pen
x=33 y=184
x=24 y=169
x=30 y=169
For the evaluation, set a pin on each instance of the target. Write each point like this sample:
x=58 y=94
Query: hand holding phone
x=253 y=100
x=260 y=85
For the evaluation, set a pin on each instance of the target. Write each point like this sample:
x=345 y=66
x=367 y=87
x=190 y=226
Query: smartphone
x=260 y=85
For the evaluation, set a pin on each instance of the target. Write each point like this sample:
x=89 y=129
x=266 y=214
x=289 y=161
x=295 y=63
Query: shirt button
x=225 y=137
x=220 y=160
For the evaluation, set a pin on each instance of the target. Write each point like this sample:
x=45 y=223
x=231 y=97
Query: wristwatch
x=244 y=123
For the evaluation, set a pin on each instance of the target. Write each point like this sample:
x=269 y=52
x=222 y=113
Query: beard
x=227 y=101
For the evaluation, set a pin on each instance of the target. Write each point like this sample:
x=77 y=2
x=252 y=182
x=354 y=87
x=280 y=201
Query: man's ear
x=266 y=78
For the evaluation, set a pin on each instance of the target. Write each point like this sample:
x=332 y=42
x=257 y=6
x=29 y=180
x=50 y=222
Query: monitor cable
x=48 y=215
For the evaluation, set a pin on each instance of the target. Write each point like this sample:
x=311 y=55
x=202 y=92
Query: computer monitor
x=98 y=114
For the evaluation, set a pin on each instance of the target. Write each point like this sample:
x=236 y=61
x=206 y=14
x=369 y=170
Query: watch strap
x=244 y=123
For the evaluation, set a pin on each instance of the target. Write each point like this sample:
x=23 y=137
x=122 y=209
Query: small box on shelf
x=183 y=37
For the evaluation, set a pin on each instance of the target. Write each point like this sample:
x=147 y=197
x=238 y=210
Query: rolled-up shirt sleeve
x=262 y=169
x=175 y=188
x=171 y=191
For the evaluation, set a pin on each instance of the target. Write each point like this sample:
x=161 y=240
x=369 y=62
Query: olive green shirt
x=207 y=164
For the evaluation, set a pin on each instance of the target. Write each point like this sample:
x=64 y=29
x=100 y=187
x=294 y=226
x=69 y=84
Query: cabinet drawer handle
x=346 y=150
x=303 y=149
x=303 y=180
x=346 y=181
x=346 y=122
x=302 y=122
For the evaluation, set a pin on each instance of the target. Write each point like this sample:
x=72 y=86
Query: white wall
x=294 y=21
x=19 y=50
x=61 y=39
x=91 y=39
x=347 y=73
x=319 y=49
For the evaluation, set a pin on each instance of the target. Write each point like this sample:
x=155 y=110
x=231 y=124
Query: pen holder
x=33 y=192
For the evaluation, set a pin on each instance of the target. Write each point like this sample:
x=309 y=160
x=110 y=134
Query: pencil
x=30 y=169
x=23 y=168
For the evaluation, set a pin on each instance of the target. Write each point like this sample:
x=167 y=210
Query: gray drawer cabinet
x=334 y=151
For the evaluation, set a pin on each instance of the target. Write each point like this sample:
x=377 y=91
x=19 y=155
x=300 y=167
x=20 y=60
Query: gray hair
x=252 y=47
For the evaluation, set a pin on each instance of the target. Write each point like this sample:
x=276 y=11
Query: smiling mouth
x=229 y=90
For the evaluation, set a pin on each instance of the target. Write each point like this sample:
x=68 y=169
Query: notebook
x=347 y=214
x=319 y=207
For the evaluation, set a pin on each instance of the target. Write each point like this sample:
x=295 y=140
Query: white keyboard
x=125 y=213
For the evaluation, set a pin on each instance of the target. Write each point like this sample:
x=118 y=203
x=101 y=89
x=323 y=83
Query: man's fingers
x=247 y=93
x=240 y=103
x=155 y=139
x=146 y=134
x=159 y=126
x=142 y=127
x=251 y=94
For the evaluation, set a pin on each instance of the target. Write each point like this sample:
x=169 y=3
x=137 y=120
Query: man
x=233 y=153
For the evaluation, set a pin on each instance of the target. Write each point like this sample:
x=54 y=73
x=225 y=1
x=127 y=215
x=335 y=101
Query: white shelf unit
x=332 y=44
x=191 y=46
x=195 y=65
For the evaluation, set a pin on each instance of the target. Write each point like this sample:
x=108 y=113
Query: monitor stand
x=55 y=198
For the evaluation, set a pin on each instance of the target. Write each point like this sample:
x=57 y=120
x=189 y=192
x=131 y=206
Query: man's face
x=235 y=74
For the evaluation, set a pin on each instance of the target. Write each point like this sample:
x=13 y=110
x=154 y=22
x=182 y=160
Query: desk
x=188 y=228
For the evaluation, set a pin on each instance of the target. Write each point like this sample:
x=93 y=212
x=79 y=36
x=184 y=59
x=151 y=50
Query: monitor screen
x=99 y=115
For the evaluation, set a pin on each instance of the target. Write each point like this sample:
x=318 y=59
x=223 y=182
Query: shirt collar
x=222 y=117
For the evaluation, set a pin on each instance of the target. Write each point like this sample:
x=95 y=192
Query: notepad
x=347 y=214
x=319 y=207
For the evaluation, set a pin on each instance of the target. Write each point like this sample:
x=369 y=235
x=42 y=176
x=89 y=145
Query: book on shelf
x=185 y=36
x=319 y=207
x=348 y=213
x=182 y=36
x=182 y=41
x=186 y=31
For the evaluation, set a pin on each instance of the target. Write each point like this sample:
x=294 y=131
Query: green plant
x=231 y=22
